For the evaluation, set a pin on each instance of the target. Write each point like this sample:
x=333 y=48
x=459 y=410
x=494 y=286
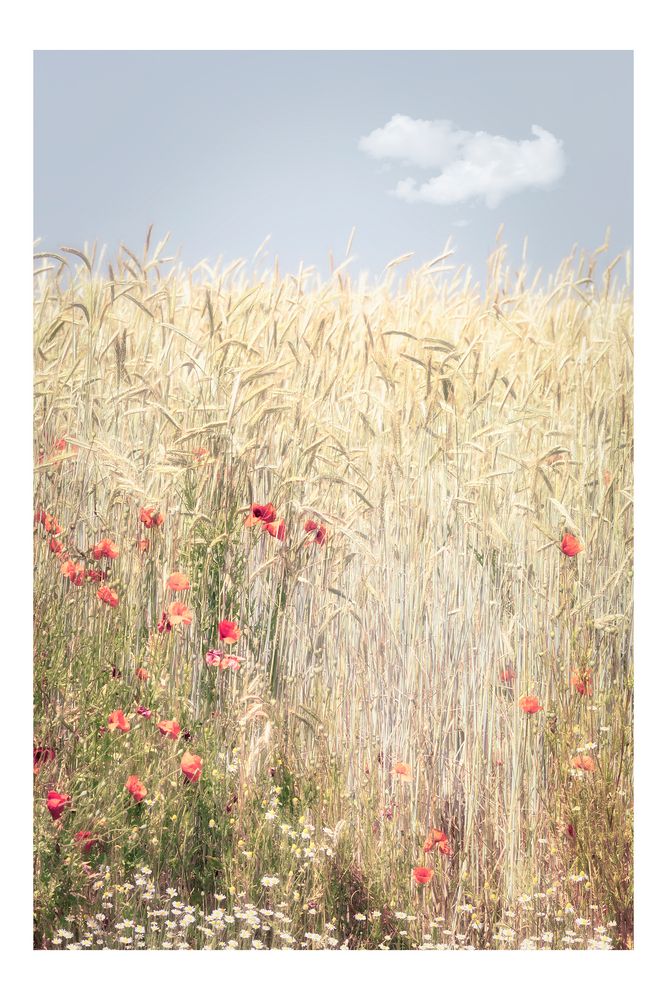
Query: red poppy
x=570 y=831
x=41 y=756
x=143 y=545
x=179 y=614
x=105 y=549
x=191 y=766
x=583 y=763
x=529 y=704
x=164 y=625
x=582 y=682
x=57 y=803
x=56 y=546
x=75 y=572
x=571 y=545
x=402 y=771
x=422 y=876
x=276 y=529
x=141 y=674
x=136 y=788
x=228 y=631
x=151 y=517
x=507 y=676
x=145 y=712
x=439 y=838
x=87 y=840
x=108 y=596
x=259 y=512
x=200 y=454
x=96 y=575
x=118 y=721
x=170 y=728
x=50 y=523
x=319 y=529
x=178 y=581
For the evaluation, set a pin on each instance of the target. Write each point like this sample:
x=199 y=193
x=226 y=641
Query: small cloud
x=469 y=165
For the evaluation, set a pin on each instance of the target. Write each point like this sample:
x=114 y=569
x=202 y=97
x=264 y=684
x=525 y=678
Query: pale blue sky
x=224 y=148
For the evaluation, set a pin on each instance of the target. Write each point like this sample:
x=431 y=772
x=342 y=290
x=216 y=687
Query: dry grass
x=446 y=438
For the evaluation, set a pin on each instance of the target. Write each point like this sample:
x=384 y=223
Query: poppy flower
x=529 y=704
x=228 y=631
x=319 y=529
x=56 y=546
x=230 y=662
x=170 y=728
x=582 y=682
x=151 y=517
x=276 y=529
x=439 y=838
x=87 y=840
x=105 y=549
x=583 y=763
x=50 y=523
x=145 y=712
x=200 y=454
x=136 y=788
x=422 y=876
x=191 y=766
x=41 y=756
x=118 y=721
x=507 y=676
x=214 y=657
x=571 y=545
x=179 y=614
x=57 y=803
x=164 y=625
x=259 y=512
x=141 y=674
x=570 y=831
x=108 y=596
x=178 y=581
x=74 y=572
x=402 y=771
x=96 y=575
x=143 y=545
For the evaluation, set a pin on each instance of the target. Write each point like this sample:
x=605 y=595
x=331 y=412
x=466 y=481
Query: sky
x=222 y=149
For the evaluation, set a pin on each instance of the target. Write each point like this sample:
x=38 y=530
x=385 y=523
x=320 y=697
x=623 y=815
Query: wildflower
x=319 y=529
x=87 y=840
x=507 y=676
x=108 y=596
x=40 y=756
x=143 y=545
x=55 y=546
x=228 y=631
x=118 y=721
x=422 y=876
x=75 y=572
x=191 y=766
x=582 y=682
x=583 y=762
x=96 y=575
x=141 y=674
x=57 y=803
x=178 y=613
x=529 y=704
x=105 y=549
x=260 y=512
x=50 y=523
x=151 y=517
x=276 y=529
x=200 y=455
x=402 y=771
x=136 y=788
x=164 y=625
x=439 y=838
x=170 y=728
x=178 y=581
x=571 y=545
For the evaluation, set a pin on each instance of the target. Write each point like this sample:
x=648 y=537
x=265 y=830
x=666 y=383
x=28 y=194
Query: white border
x=344 y=25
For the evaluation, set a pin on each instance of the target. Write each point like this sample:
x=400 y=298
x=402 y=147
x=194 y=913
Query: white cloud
x=470 y=165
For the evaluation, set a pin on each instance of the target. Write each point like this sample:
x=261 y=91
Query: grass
x=446 y=438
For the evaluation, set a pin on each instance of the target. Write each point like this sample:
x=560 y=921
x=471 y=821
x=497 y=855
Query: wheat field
x=446 y=438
